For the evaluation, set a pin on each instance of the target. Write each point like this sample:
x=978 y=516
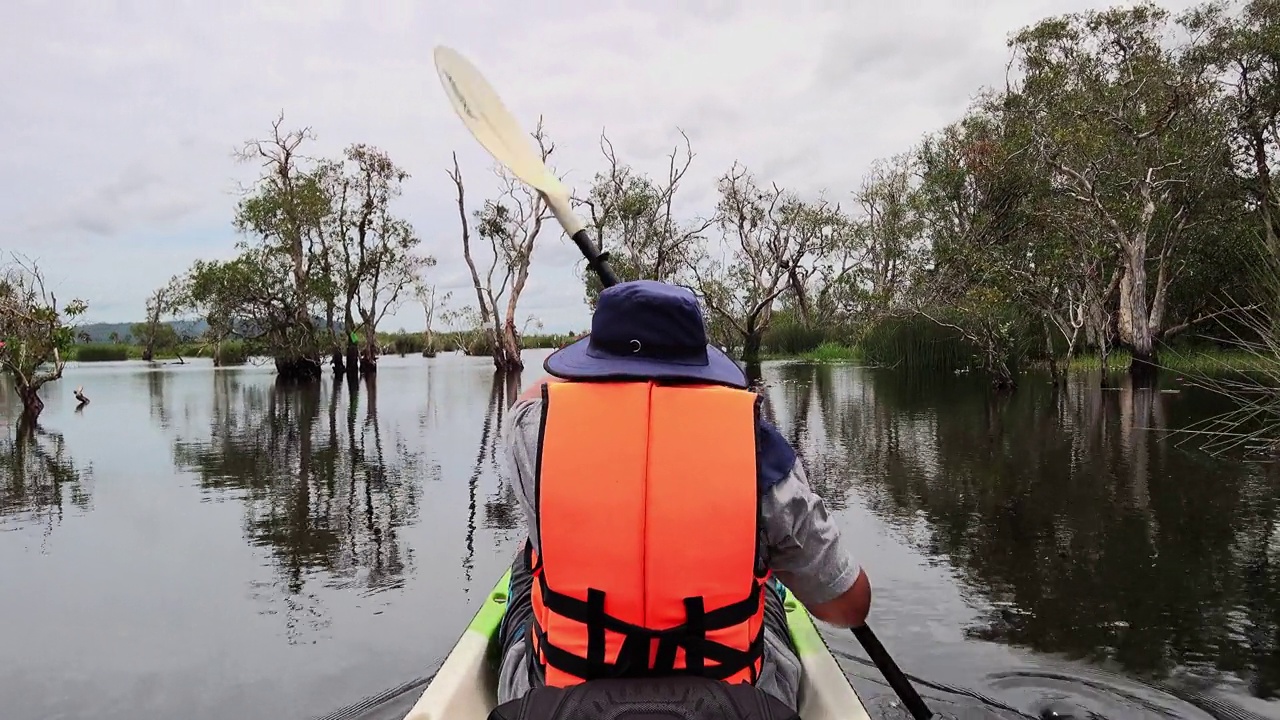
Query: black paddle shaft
x=897 y=680
x=599 y=262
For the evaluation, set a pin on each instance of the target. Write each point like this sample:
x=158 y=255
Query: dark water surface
x=198 y=544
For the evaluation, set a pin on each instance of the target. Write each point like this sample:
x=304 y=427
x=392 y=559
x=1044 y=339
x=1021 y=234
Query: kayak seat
x=676 y=697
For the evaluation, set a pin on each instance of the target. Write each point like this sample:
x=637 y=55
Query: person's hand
x=850 y=609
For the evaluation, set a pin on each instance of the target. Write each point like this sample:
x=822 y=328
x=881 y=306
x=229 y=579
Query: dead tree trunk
x=32 y=405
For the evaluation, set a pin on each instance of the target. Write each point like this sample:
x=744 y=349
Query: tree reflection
x=500 y=509
x=38 y=477
x=320 y=491
x=157 y=382
x=1082 y=529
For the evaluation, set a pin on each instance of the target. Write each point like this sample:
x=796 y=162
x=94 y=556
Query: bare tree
x=431 y=303
x=772 y=237
x=510 y=225
x=634 y=219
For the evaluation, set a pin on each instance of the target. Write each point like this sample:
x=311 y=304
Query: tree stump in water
x=1145 y=372
x=32 y=405
x=298 y=369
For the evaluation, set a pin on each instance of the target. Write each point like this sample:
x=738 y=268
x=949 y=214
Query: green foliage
x=321 y=242
x=100 y=352
x=159 y=337
x=787 y=336
x=915 y=344
x=1107 y=198
x=405 y=343
x=230 y=352
x=35 y=331
x=834 y=352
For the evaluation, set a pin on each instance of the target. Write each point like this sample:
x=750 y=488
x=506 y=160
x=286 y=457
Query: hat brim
x=572 y=362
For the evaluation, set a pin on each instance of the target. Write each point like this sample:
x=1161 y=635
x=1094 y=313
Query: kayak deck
x=465 y=688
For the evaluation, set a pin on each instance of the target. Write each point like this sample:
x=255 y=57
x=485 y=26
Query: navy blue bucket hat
x=646 y=330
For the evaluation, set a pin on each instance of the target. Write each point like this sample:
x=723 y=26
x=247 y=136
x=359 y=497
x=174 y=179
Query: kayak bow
x=466 y=687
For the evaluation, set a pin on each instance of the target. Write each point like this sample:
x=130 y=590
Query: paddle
x=489 y=121
x=487 y=118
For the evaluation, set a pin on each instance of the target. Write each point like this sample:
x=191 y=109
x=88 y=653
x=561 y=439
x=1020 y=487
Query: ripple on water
x=1039 y=694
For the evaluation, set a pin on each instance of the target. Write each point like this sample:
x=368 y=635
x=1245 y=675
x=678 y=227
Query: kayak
x=466 y=686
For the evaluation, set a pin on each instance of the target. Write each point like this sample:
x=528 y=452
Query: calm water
x=198 y=544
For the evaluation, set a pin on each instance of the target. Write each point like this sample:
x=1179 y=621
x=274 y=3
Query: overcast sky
x=118 y=119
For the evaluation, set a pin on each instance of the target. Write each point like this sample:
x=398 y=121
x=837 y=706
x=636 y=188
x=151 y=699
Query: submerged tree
x=1132 y=134
x=976 y=202
x=510 y=226
x=283 y=216
x=431 y=302
x=164 y=302
x=320 y=238
x=34 y=331
x=368 y=257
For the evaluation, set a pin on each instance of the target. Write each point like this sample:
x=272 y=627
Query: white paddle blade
x=482 y=111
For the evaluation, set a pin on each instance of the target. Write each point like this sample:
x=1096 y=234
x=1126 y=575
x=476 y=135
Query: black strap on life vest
x=633 y=656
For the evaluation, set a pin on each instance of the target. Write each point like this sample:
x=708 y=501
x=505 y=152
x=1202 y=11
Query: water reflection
x=500 y=509
x=323 y=489
x=38 y=477
x=157 y=382
x=1076 y=527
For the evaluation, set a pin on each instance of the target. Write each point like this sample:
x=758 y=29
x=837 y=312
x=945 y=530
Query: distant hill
x=101 y=332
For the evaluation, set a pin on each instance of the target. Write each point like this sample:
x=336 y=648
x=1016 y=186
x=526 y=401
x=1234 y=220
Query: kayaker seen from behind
x=662 y=512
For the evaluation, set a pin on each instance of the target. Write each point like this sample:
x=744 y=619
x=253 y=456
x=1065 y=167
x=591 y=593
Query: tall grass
x=1251 y=337
x=1252 y=384
x=791 y=338
x=231 y=352
x=234 y=352
x=1198 y=360
x=100 y=352
x=834 y=352
x=915 y=343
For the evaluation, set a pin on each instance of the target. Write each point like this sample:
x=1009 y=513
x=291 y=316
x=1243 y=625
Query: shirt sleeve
x=804 y=545
x=521 y=449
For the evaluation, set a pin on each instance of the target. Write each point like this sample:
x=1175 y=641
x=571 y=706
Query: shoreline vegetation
x=237 y=352
x=1203 y=359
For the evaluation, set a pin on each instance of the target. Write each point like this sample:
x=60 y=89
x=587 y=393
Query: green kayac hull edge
x=465 y=686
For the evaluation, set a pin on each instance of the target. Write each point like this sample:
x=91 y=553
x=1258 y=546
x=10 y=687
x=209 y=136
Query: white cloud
x=120 y=119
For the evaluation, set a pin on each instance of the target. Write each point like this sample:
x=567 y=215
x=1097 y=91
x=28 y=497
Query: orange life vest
x=648 y=521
